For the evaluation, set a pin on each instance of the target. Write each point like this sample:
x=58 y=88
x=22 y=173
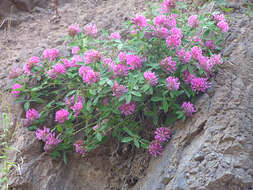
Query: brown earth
x=113 y=166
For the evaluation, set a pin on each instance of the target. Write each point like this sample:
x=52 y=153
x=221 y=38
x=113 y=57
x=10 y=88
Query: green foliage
x=5 y=140
x=152 y=102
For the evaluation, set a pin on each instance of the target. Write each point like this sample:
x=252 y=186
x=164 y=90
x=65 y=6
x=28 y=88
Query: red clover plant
x=166 y=61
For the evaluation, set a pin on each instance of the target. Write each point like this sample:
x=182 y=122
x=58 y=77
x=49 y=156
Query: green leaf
x=20 y=100
x=150 y=91
x=38 y=100
x=50 y=104
x=35 y=89
x=136 y=143
x=178 y=92
x=206 y=33
x=65 y=158
x=70 y=93
x=170 y=120
x=109 y=82
x=32 y=128
x=92 y=91
x=128 y=98
x=26 y=106
x=165 y=105
x=184 y=67
x=59 y=128
x=105 y=33
x=126 y=139
x=88 y=105
x=128 y=132
x=116 y=111
x=136 y=93
x=55 y=154
x=144 y=145
x=99 y=137
x=190 y=69
x=156 y=99
x=145 y=87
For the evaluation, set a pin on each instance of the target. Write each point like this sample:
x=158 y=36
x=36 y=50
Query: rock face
x=214 y=149
x=211 y=151
x=9 y=7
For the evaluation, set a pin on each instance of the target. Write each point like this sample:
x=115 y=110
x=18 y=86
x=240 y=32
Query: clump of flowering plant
x=96 y=95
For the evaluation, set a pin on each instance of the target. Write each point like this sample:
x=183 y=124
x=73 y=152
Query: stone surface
x=214 y=149
x=8 y=8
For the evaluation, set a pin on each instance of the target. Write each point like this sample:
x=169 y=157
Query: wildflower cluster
x=165 y=63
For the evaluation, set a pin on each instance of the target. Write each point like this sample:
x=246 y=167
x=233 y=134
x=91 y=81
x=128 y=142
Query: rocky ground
x=113 y=167
x=212 y=151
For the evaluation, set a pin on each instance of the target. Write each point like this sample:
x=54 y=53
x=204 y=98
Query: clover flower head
x=160 y=21
x=73 y=30
x=204 y=63
x=118 y=90
x=187 y=77
x=219 y=17
x=188 y=108
x=210 y=44
x=122 y=57
x=109 y=63
x=106 y=101
x=168 y=5
x=32 y=114
x=127 y=109
x=52 y=74
x=223 y=25
x=163 y=21
x=91 y=30
x=134 y=61
x=174 y=39
x=79 y=147
x=89 y=76
x=168 y=64
x=171 y=21
x=77 y=107
x=162 y=32
x=140 y=21
x=92 y=56
x=51 y=54
x=151 y=78
x=115 y=36
x=15 y=72
x=162 y=134
x=14 y=88
x=215 y=60
x=61 y=116
x=42 y=134
x=75 y=50
x=66 y=63
x=51 y=142
x=196 y=52
x=120 y=70
x=199 y=84
x=193 y=21
x=155 y=148
x=176 y=32
x=59 y=68
x=172 y=83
